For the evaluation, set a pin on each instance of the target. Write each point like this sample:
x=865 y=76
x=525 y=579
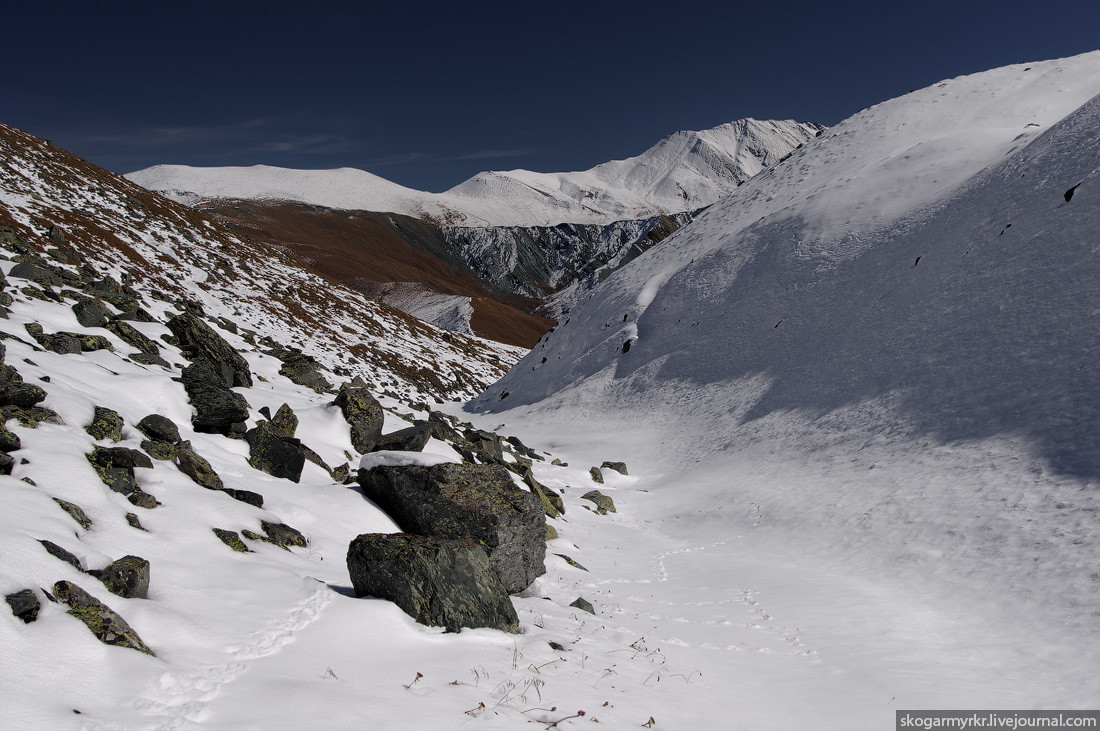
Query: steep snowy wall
x=926 y=254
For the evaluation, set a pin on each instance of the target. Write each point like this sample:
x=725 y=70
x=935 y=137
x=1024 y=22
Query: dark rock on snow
x=363 y=413
x=583 y=604
x=127 y=577
x=231 y=539
x=103 y=622
x=412 y=439
x=597 y=476
x=219 y=410
x=604 y=504
x=24 y=605
x=271 y=452
x=283 y=535
x=76 y=512
x=439 y=582
x=159 y=428
x=192 y=464
x=106 y=424
x=60 y=553
x=619 y=467
x=476 y=502
x=199 y=342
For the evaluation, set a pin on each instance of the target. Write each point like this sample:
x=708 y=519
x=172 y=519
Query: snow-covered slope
x=683 y=172
x=873 y=366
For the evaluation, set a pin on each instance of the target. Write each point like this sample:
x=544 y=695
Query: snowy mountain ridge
x=683 y=172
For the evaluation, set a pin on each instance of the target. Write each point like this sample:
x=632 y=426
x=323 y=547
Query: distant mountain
x=683 y=172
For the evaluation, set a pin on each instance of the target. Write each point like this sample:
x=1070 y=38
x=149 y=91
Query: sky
x=428 y=94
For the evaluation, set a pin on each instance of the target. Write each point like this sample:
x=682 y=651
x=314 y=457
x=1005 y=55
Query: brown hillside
x=364 y=250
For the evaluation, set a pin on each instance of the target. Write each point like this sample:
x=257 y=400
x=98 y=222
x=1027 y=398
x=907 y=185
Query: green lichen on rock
x=9 y=442
x=31 y=416
x=160 y=450
x=363 y=414
x=570 y=561
x=127 y=577
x=551 y=501
x=597 y=476
x=132 y=519
x=285 y=421
x=231 y=539
x=133 y=337
x=283 y=535
x=271 y=452
x=101 y=620
x=106 y=424
x=604 y=504
x=76 y=512
x=195 y=466
x=551 y=532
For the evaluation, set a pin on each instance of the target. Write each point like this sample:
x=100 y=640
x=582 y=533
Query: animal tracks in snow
x=180 y=697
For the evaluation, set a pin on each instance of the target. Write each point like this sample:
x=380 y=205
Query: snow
x=858 y=482
x=684 y=172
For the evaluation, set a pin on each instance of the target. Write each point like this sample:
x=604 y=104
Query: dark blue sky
x=427 y=94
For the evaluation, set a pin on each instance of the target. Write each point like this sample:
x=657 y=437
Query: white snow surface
x=683 y=172
x=863 y=390
x=888 y=501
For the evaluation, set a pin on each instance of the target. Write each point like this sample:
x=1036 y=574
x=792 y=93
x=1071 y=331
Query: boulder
x=159 y=428
x=127 y=577
x=619 y=467
x=130 y=335
x=24 y=605
x=476 y=502
x=254 y=499
x=115 y=467
x=149 y=359
x=90 y=313
x=412 y=439
x=283 y=535
x=438 y=582
x=285 y=421
x=218 y=409
x=104 y=623
x=583 y=604
x=36 y=274
x=604 y=504
x=76 y=512
x=60 y=553
x=363 y=413
x=9 y=442
x=551 y=501
x=106 y=424
x=60 y=343
x=597 y=476
x=192 y=464
x=231 y=539
x=301 y=369
x=271 y=452
x=199 y=342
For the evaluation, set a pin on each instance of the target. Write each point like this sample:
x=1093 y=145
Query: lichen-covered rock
x=487 y=443
x=90 y=313
x=551 y=501
x=9 y=442
x=132 y=519
x=195 y=466
x=60 y=343
x=551 y=532
x=439 y=582
x=301 y=369
x=231 y=539
x=271 y=452
x=604 y=504
x=619 y=467
x=30 y=416
x=127 y=577
x=36 y=274
x=106 y=424
x=283 y=535
x=160 y=450
x=218 y=409
x=342 y=474
x=24 y=605
x=76 y=512
x=104 y=623
x=597 y=476
x=199 y=341
x=411 y=439
x=115 y=467
x=583 y=604
x=149 y=359
x=285 y=421
x=363 y=413
x=159 y=428
x=478 y=502
x=133 y=337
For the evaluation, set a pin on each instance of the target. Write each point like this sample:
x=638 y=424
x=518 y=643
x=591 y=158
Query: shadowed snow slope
x=683 y=172
x=875 y=364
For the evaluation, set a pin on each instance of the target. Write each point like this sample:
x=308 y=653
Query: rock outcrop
x=475 y=502
x=439 y=582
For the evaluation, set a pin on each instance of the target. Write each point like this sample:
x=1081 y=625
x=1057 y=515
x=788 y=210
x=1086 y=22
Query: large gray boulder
x=198 y=341
x=438 y=582
x=127 y=577
x=475 y=502
x=271 y=451
x=363 y=413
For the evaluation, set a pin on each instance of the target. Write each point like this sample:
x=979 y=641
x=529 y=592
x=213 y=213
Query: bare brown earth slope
x=364 y=250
